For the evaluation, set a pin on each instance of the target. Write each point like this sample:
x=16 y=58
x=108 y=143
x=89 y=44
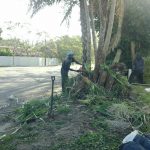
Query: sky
x=46 y=20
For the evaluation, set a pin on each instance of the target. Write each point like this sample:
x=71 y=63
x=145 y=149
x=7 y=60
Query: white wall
x=6 y=60
x=27 y=61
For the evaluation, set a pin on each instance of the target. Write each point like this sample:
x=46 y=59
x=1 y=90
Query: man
x=135 y=141
x=138 y=69
x=66 y=67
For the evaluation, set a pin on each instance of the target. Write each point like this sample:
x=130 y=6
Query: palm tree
x=105 y=10
x=86 y=35
x=37 y=5
x=92 y=8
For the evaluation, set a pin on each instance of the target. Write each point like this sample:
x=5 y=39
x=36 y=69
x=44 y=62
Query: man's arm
x=74 y=60
x=74 y=70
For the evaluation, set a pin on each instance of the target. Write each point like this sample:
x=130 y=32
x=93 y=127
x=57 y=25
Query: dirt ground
x=22 y=84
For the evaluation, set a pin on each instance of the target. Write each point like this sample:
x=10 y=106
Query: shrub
x=5 y=52
x=32 y=109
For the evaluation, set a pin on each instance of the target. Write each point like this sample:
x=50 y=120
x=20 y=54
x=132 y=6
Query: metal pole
x=52 y=98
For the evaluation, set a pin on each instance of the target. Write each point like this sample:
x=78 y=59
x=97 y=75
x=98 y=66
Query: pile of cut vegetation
x=97 y=120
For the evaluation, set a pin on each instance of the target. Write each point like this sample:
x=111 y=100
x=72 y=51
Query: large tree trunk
x=117 y=57
x=105 y=32
x=116 y=38
x=93 y=27
x=99 y=54
x=86 y=35
x=110 y=27
x=133 y=50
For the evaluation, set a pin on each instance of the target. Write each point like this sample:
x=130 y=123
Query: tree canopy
x=136 y=28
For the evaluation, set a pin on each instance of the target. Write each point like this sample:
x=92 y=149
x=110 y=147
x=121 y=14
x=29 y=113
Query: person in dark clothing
x=137 y=70
x=131 y=146
x=65 y=69
x=139 y=142
x=143 y=141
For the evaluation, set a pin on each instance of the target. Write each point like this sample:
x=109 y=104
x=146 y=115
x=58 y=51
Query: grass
x=93 y=131
x=142 y=94
x=91 y=141
x=31 y=110
x=63 y=108
x=7 y=143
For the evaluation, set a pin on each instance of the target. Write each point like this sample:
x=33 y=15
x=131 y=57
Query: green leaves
x=5 y=52
x=65 y=43
x=31 y=110
x=36 y=5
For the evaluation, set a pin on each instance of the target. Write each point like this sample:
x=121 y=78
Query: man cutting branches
x=66 y=67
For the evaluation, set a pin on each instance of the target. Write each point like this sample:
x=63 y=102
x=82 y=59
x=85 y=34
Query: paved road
x=27 y=82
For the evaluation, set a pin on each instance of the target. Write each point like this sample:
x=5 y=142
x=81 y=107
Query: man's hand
x=78 y=70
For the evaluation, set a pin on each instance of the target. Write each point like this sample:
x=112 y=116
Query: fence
x=19 y=61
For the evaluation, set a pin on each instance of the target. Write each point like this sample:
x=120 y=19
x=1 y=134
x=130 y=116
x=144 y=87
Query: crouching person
x=138 y=70
x=135 y=141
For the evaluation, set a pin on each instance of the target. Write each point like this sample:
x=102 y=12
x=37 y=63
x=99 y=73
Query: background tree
x=47 y=49
x=66 y=44
x=59 y=47
x=136 y=30
x=22 y=48
x=1 y=33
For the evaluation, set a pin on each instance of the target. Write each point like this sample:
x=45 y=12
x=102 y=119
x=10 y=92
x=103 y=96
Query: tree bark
x=86 y=35
x=93 y=27
x=105 y=33
x=117 y=57
x=110 y=27
x=116 y=38
x=133 y=50
x=99 y=54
